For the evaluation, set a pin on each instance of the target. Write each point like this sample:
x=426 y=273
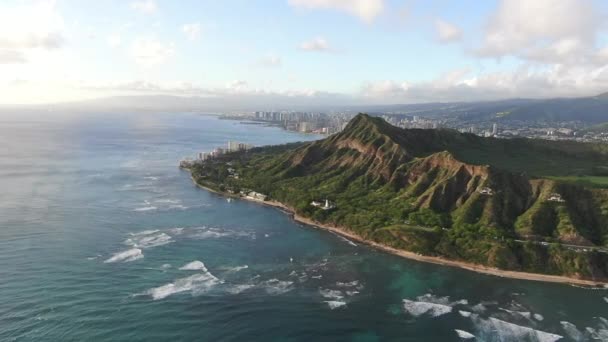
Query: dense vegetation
x=441 y=193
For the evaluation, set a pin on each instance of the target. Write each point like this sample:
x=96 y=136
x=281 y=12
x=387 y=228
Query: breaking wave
x=194 y=266
x=195 y=284
x=149 y=240
x=464 y=334
x=334 y=304
x=275 y=286
x=126 y=256
x=492 y=327
x=416 y=309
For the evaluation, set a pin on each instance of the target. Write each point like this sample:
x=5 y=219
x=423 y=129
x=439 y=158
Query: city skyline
x=319 y=51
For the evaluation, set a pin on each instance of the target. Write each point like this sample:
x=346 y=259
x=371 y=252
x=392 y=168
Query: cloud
x=270 y=61
x=31 y=27
x=192 y=31
x=545 y=31
x=12 y=57
x=114 y=40
x=366 y=10
x=526 y=81
x=446 y=32
x=145 y=6
x=149 y=52
x=318 y=44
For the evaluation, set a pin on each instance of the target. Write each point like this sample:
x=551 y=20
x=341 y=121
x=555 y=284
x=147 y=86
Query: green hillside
x=513 y=204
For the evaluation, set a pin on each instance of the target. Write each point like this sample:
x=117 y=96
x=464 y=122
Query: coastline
x=413 y=256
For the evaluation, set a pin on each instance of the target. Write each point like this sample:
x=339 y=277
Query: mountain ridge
x=441 y=193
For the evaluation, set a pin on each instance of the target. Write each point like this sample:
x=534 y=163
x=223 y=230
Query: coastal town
x=327 y=123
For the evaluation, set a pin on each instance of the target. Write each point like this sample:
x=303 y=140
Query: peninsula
x=521 y=208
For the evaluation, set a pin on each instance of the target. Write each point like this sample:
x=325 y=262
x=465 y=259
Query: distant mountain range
x=519 y=204
x=586 y=110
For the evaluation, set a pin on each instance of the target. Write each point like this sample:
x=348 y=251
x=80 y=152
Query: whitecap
x=464 y=313
x=606 y=299
x=276 y=287
x=151 y=178
x=178 y=206
x=126 y=256
x=149 y=208
x=145 y=232
x=538 y=317
x=349 y=284
x=334 y=304
x=236 y=289
x=196 y=284
x=148 y=240
x=351 y=293
x=239 y=268
x=416 y=309
x=317 y=277
x=464 y=334
x=194 y=266
x=572 y=331
x=176 y=231
x=507 y=331
x=525 y=314
x=333 y=294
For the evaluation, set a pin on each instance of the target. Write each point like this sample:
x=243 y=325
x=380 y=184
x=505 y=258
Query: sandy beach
x=410 y=255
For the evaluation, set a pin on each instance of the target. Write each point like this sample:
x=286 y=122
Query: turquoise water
x=103 y=238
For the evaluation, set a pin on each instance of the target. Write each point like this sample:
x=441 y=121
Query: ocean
x=103 y=238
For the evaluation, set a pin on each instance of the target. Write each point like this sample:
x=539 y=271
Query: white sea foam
x=317 y=277
x=538 y=317
x=353 y=283
x=194 y=266
x=572 y=331
x=333 y=294
x=239 y=268
x=493 y=328
x=347 y=241
x=606 y=299
x=145 y=232
x=148 y=208
x=196 y=284
x=351 y=293
x=176 y=231
x=276 y=287
x=236 y=289
x=126 y=256
x=464 y=313
x=464 y=334
x=148 y=240
x=334 y=304
x=165 y=266
x=525 y=314
x=416 y=309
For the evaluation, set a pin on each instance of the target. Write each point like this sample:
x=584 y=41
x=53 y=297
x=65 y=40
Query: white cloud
x=270 y=61
x=446 y=32
x=12 y=57
x=192 y=31
x=114 y=40
x=149 y=52
x=366 y=10
x=526 y=81
x=145 y=6
x=31 y=27
x=542 y=30
x=318 y=44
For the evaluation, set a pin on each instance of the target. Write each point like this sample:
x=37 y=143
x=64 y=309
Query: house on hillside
x=555 y=197
x=486 y=191
x=325 y=205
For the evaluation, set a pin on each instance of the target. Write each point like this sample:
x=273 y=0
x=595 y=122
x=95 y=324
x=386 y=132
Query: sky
x=351 y=51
